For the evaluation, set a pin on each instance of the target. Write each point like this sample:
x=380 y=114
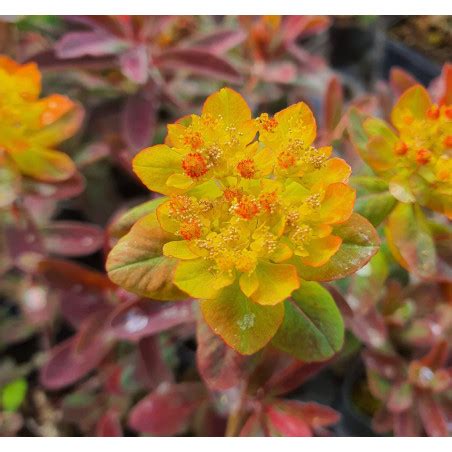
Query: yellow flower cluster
x=30 y=127
x=246 y=198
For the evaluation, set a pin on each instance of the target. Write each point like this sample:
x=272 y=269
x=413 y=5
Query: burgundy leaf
x=406 y=424
x=400 y=80
x=198 y=61
x=151 y=364
x=107 y=24
x=254 y=426
x=370 y=327
x=139 y=118
x=219 y=41
x=87 y=43
x=388 y=366
x=61 y=190
x=82 y=291
x=285 y=423
x=72 y=238
x=293 y=376
x=220 y=366
x=437 y=357
x=48 y=60
x=314 y=414
x=109 y=425
x=135 y=320
x=65 y=365
x=135 y=64
x=333 y=104
x=432 y=415
x=383 y=421
x=167 y=410
x=303 y=26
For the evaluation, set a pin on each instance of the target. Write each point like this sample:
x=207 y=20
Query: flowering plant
x=243 y=223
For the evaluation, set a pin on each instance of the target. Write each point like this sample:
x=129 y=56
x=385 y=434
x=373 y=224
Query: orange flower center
x=268 y=124
x=433 y=112
x=247 y=208
x=448 y=141
x=400 y=148
x=190 y=230
x=423 y=156
x=268 y=201
x=194 y=165
x=246 y=168
x=194 y=140
x=286 y=159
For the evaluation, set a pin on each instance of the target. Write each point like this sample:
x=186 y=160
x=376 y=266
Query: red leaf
x=303 y=26
x=109 y=425
x=400 y=397
x=87 y=43
x=254 y=426
x=405 y=424
x=286 y=423
x=151 y=364
x=167 y=411
x=139 y=118
x=333 y=104
x=314 y=414
x=432 y=415
x=61 y=190
x=282 y=72
x=71 y=238
x=390 y=367
x=446 y=78
x=135 y=320
x=292 y=376
x=65 y=365
x=400 y=80
x=437 y=356
x=219 y=41
x=82 y=291
x=200 y=62
x=135 y=64
x=220 y=366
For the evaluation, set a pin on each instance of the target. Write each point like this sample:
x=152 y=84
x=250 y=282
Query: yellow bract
x=30 y=127
x=246 y=197
x=416 y=157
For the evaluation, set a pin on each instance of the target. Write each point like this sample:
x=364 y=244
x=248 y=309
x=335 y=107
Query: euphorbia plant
x=245 y=224
x=412 y=159
x=30 y=128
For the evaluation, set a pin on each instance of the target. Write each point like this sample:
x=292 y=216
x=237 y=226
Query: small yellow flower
x=30 y=127
x=415 y=158
x=242 y=209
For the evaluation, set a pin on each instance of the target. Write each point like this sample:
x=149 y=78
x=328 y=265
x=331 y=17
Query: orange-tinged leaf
x=197 y=278
x=137 y=262
x=337 y=204
x=276 y=283
x=360 y=242
x=44 y=164
x=244 y=325
x=400 y=80
x=321 y=250
x=155 y=165
x=413 y=103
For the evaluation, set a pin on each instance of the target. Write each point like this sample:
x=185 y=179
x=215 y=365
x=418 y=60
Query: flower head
x=239 y=208
x=30 y=127
x=415 y=155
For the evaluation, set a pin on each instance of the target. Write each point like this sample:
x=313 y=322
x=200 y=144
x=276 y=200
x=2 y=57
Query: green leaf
x=123 y=224
x=13 y=394
x=244 y=325
x=375 y=207
x=360 y=242
x=313 y=329
x=137 y=264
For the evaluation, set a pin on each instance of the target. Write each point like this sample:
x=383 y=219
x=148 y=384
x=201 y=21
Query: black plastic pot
x=353 y=421
x=398 y=54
